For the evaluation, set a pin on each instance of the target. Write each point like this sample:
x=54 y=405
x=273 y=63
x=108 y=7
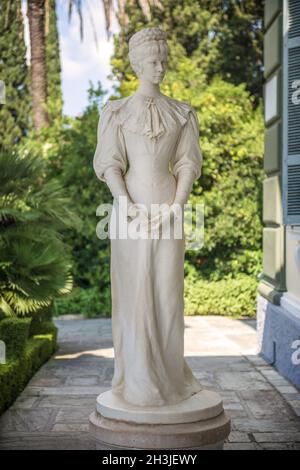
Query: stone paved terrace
x=53 y=410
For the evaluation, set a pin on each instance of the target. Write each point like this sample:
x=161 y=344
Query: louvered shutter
x=291 y=113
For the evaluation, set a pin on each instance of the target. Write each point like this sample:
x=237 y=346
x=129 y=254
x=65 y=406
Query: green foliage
x=41 y=321
x=231 y=139
x=42 y=328
x=14 y=332
x=223 y=37
x=15 y=113
x=15 y=374
x=90 y=302
x=233 y=297
x=35 y=261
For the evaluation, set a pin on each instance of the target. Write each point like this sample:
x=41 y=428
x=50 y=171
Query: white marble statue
x=148 y=152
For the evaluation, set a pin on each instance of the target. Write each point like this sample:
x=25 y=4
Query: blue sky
x=81 y=61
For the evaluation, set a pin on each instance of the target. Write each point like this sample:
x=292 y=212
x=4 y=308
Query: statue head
x=148 y=52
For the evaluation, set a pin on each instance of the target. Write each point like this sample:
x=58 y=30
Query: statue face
x=153 y=68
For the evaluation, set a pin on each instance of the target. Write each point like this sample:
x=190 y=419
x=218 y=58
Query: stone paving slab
x=53 y=410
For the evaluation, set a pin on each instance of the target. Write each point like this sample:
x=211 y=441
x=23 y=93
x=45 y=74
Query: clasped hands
x=145 y=218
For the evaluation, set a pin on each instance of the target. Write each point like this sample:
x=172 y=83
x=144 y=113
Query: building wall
x=272 y=284
x=278 y=300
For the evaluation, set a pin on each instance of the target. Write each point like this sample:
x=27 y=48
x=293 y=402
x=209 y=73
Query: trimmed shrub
x=46 y=327
x=90 y=302
x=14 y=332
x=234 y=297
x=42 y=319
x=15 y=374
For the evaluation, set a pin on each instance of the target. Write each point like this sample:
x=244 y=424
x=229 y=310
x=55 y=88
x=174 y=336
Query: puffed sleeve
x=188 y=156
x=110 y=151
x=187 y=161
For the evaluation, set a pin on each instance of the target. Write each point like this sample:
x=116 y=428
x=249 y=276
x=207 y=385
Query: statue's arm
x=110 y=159
x=115 y=182
x=187 y=162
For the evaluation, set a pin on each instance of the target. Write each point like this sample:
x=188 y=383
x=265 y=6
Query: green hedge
x=15 y=374
x=230 y=297
x=41 y=320
x=14 y=332
x=89 y=302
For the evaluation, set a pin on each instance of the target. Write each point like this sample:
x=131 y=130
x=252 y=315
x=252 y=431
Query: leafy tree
x=231 y=138
x=15 y=112
x=224 y=37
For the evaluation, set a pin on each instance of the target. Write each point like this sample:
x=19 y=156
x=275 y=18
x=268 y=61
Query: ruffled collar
x=152 y=117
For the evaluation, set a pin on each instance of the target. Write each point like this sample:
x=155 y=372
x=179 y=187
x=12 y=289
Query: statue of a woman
x=148 y=152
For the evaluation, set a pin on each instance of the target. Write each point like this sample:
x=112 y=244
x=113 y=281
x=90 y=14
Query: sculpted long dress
x=151 y=142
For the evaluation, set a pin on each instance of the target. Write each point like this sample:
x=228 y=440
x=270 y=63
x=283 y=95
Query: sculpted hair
x=147 y=42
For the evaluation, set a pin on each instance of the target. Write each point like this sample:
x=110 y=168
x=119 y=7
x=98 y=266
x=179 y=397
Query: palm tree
x=36 y=17
x=35 y=262
x=108 y=6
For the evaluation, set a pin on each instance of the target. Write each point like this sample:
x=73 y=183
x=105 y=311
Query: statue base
x=196 y=423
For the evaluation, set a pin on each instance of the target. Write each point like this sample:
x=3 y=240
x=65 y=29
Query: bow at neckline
x=153 y=125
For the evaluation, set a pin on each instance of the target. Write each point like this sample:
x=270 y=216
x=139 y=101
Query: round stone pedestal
x=196 y=423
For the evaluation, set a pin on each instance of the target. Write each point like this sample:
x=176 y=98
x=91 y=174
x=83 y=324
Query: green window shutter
x=291 y=113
